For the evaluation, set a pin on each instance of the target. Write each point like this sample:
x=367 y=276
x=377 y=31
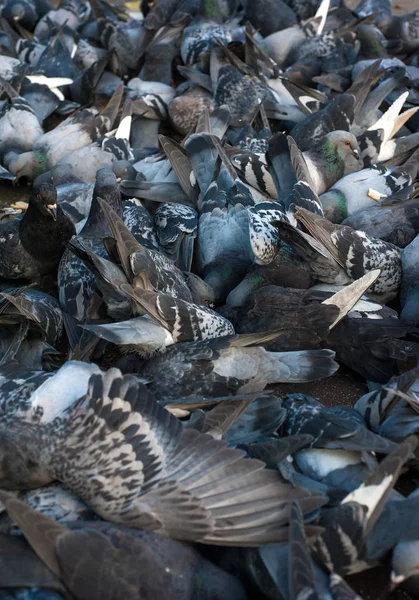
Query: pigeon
x=137 y=260
x=169 y=463
x=41 y=311
x=269 y=17
x=397 y=224
x=71 y=13
x=19 y=125
x=26 y=393
x=326 y=161
x=25 y=12
x=391 y=411
x=176 y=229
x=331 y=428
x=83 y=163
x=260 y=419
x=370 y=344
x=404 y=28
x=171 y=568
x=293 y=571
x=232 y=232
x=168 y=321
x=338 y=253
x=57 y=503
x=356 y=516
x=32 y=246
x=286 y=270
x=361 y=190
x=373 y=347
x=76 y=132
x=214 y=367
x=409 y=290
x=138 y=263
x=76 y=283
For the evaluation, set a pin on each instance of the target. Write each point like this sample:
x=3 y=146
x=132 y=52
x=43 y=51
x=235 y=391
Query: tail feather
x=361 y=87
x=107 y=117
x=300 y=570
x=220 y=120
x=203 y=155
x=156 y=192
x=301 y=366
x=280 y=165
x=375 y=491
x=181 y=166
x=387 y=122
x=367 y=115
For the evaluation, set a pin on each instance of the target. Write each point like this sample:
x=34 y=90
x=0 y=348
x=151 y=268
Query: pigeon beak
x=355 y=153
x=52 y=209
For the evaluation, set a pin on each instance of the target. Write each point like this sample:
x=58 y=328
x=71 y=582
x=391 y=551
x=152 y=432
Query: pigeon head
x=44 y=200
x=202 y=292
x=106 y=186
x=14 y=11
x=343 y=143
x=28 y=164
x=20 y=464
x=123 y=170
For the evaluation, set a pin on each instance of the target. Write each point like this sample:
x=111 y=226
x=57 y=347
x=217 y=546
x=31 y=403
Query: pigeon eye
x=347 y=143
x=38 y=197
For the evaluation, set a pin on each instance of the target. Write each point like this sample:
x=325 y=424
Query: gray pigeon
x=213 y=367
x=324 y=164
x=91 y=551
x=409 y=289
x=397 y=224
x=363 y=189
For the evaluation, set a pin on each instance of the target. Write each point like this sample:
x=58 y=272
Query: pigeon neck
x=40 y=164
x=341 y=212
x=96 y=219
x=31 y=213
x=333 y=162
x=209 y=9
x=334 y=206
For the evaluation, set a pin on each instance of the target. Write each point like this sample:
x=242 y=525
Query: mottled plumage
x=357 y=253
x=75 y=282
x=176 y=229
x=159 y=488
x=348 y=524
x=41 y=311
x=39 y=396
